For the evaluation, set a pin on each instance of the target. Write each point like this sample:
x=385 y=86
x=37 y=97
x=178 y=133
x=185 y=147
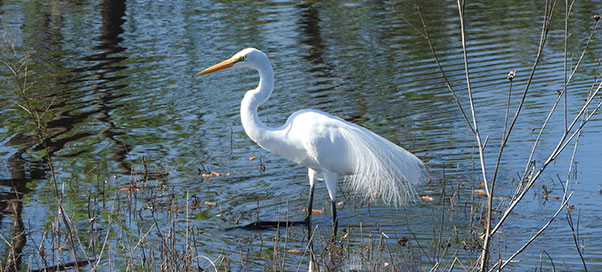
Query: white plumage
x=328 y=146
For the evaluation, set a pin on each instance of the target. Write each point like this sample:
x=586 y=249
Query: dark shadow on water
x=113 y=13
x=309 y=24
x=67 y=116
x=266 y=225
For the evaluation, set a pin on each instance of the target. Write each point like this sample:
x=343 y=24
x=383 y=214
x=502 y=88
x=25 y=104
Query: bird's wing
x=374 y=165
x=324 y=147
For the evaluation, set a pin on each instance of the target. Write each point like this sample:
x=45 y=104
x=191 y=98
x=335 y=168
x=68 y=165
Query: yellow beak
x=220 y=66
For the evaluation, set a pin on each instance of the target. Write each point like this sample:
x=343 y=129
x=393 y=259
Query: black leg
x=309 y=211
x=335 y=220
x=333 y=239
x=310 y=203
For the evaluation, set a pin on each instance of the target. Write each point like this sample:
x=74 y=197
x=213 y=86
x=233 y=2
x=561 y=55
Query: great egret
x=328 y=146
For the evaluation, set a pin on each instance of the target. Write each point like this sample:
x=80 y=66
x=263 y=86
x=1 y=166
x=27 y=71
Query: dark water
x=117 y=80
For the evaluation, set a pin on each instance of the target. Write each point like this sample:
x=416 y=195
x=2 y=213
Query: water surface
x=117 y=80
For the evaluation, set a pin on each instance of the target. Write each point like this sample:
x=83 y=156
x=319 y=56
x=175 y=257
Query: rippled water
x=117 y=80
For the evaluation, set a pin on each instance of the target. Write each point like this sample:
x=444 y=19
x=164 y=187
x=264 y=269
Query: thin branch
x=587 y=43
x=596 y=24
x=441 y=71
x=575 y=233
x=549 y=11
x=475 y=127
x=562 y=144
x=564 y=66
x=551 y=261
x=539 y=232
x=510 y=78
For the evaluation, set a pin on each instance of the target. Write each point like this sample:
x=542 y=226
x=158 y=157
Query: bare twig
x=561 y=145
x=575 y=233
x=544 y=33
x=425 y=35
x=539 y=232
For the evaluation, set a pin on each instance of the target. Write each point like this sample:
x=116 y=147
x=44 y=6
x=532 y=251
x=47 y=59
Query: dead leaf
x=129 y=188
x=252 y=159
x=210 y=204
x=570 y=208
x=313 y=211
x=294 y=251
x=427 y=198
x=207 y=175
x=214 y=174
x=581 y=246
x=340 y=203
x=480 y=192
x=499 y=198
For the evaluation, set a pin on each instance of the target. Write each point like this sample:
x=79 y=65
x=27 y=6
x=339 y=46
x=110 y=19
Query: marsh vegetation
x=114 y=157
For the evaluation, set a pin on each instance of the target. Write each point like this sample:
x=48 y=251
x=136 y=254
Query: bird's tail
x=383 y=169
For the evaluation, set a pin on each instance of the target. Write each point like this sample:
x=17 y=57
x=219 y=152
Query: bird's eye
x=240 y=58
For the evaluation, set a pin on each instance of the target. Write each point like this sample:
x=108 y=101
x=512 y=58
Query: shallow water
x=117 y=80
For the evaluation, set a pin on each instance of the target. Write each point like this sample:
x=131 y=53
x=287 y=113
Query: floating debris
x=570 y=208
x=313 y=211
x=130 y=189
x=480 y=192
x=427 y=198
x=402 y=241
x=214 y=174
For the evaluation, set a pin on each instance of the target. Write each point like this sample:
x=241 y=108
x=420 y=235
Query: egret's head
x=249 y=57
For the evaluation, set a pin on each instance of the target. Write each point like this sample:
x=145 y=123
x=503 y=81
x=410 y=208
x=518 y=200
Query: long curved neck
x=257 y=131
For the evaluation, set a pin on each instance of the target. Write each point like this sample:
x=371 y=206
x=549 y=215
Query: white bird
x=328 y=146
